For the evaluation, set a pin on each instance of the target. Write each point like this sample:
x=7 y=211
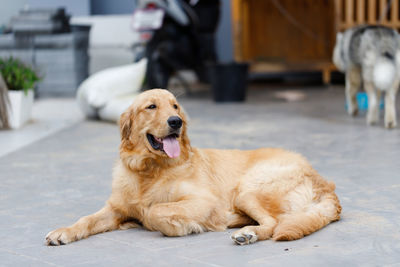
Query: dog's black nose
x=175 y=122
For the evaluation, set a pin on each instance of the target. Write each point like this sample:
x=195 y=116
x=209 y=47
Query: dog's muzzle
x=168 y=144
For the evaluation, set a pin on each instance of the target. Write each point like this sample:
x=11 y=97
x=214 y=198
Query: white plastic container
x=20 y=108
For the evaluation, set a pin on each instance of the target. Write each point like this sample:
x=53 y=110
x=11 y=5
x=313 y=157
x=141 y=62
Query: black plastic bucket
x=229 y=82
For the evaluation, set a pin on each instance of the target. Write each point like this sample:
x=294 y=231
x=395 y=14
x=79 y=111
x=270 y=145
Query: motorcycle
x=176 y=35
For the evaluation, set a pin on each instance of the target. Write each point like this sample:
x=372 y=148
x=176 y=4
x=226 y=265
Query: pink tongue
x=171 y=147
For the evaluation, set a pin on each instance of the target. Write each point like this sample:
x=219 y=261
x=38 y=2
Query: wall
x=9 y=8
x=107 y=7
x=224 y=45
x=73 y=7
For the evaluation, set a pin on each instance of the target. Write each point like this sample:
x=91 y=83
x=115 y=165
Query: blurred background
x=279 y=39
x=111 y=38
x=98 y=50
x=100 y=54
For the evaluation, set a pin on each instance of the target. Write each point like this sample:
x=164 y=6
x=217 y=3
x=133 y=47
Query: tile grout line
x=43 y=136
x=29 y=257
x=124 y=243
x=200 y=261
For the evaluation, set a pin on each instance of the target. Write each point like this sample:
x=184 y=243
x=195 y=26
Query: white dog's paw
x=373 y=115
x=59 y=237
x=352 y=110
x=372 y=119
x=244 y=237
x=390 y=123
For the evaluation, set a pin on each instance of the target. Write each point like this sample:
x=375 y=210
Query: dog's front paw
x=372 y=119
x=390 y=123
x=59 y=237
x=352 y=111
x=244 y=237
x=373 y=115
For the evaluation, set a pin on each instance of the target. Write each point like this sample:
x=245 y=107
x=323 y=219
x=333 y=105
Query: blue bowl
x=362 y=101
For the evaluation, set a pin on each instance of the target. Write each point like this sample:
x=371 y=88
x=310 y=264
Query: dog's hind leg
x=311 y=205
x=369 y=87
x=390 y=105
x=106 y=219
x=259 y=209
x=299 y=223
x=373 y=103
x=353 y=83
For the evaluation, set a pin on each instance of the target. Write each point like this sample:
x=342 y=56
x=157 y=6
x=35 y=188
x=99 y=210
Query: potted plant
x=20 y=80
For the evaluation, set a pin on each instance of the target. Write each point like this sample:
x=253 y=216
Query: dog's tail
x=385 y=70
x=297 y=224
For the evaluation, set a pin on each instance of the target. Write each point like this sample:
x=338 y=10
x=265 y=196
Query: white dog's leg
x=390 y=106
x=353 y=82
x=373 y=103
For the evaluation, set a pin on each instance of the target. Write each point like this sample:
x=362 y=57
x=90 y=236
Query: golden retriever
x=165 y=184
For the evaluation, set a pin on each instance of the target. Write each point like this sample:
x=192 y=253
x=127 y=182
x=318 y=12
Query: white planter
x=20 y=108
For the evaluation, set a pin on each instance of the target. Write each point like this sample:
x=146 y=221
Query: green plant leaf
x=17 y=75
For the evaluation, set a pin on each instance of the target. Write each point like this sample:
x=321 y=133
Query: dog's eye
x=175 y=106
x=152 y=106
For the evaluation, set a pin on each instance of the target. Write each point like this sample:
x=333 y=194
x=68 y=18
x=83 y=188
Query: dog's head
x=154 y=126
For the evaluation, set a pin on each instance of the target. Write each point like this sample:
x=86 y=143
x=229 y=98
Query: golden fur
x=271 y=193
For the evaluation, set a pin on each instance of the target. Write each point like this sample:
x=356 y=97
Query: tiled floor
x=53 y=181
x=48 y=116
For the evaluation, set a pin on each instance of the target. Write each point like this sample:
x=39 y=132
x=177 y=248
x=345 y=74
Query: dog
x=370 y=56
x=164 y=184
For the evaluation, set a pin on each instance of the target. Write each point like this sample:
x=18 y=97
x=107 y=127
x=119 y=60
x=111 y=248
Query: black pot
x=229 y=82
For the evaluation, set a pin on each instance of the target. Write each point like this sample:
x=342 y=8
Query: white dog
x=370 y=56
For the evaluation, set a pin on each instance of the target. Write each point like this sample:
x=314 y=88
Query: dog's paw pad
x=244 y=238
x=240 y=240
x=58 y=238
x=390 y=125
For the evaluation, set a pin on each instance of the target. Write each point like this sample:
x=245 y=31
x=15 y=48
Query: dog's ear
x=184 y=138
x=183 y=114
x=125 y=124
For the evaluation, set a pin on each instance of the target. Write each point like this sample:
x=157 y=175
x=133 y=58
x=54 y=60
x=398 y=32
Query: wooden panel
x=382 y=11
x=360 y=11
x=283 y=31
x=394 y=12
x=349 y=11
x=279 y=35
x=246 y=32
x=287 y=31
x=366 y=12
x=338 y=15
x=237 y=28
x=372 y=5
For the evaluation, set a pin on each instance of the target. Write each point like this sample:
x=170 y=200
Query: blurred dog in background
x=370 y=56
